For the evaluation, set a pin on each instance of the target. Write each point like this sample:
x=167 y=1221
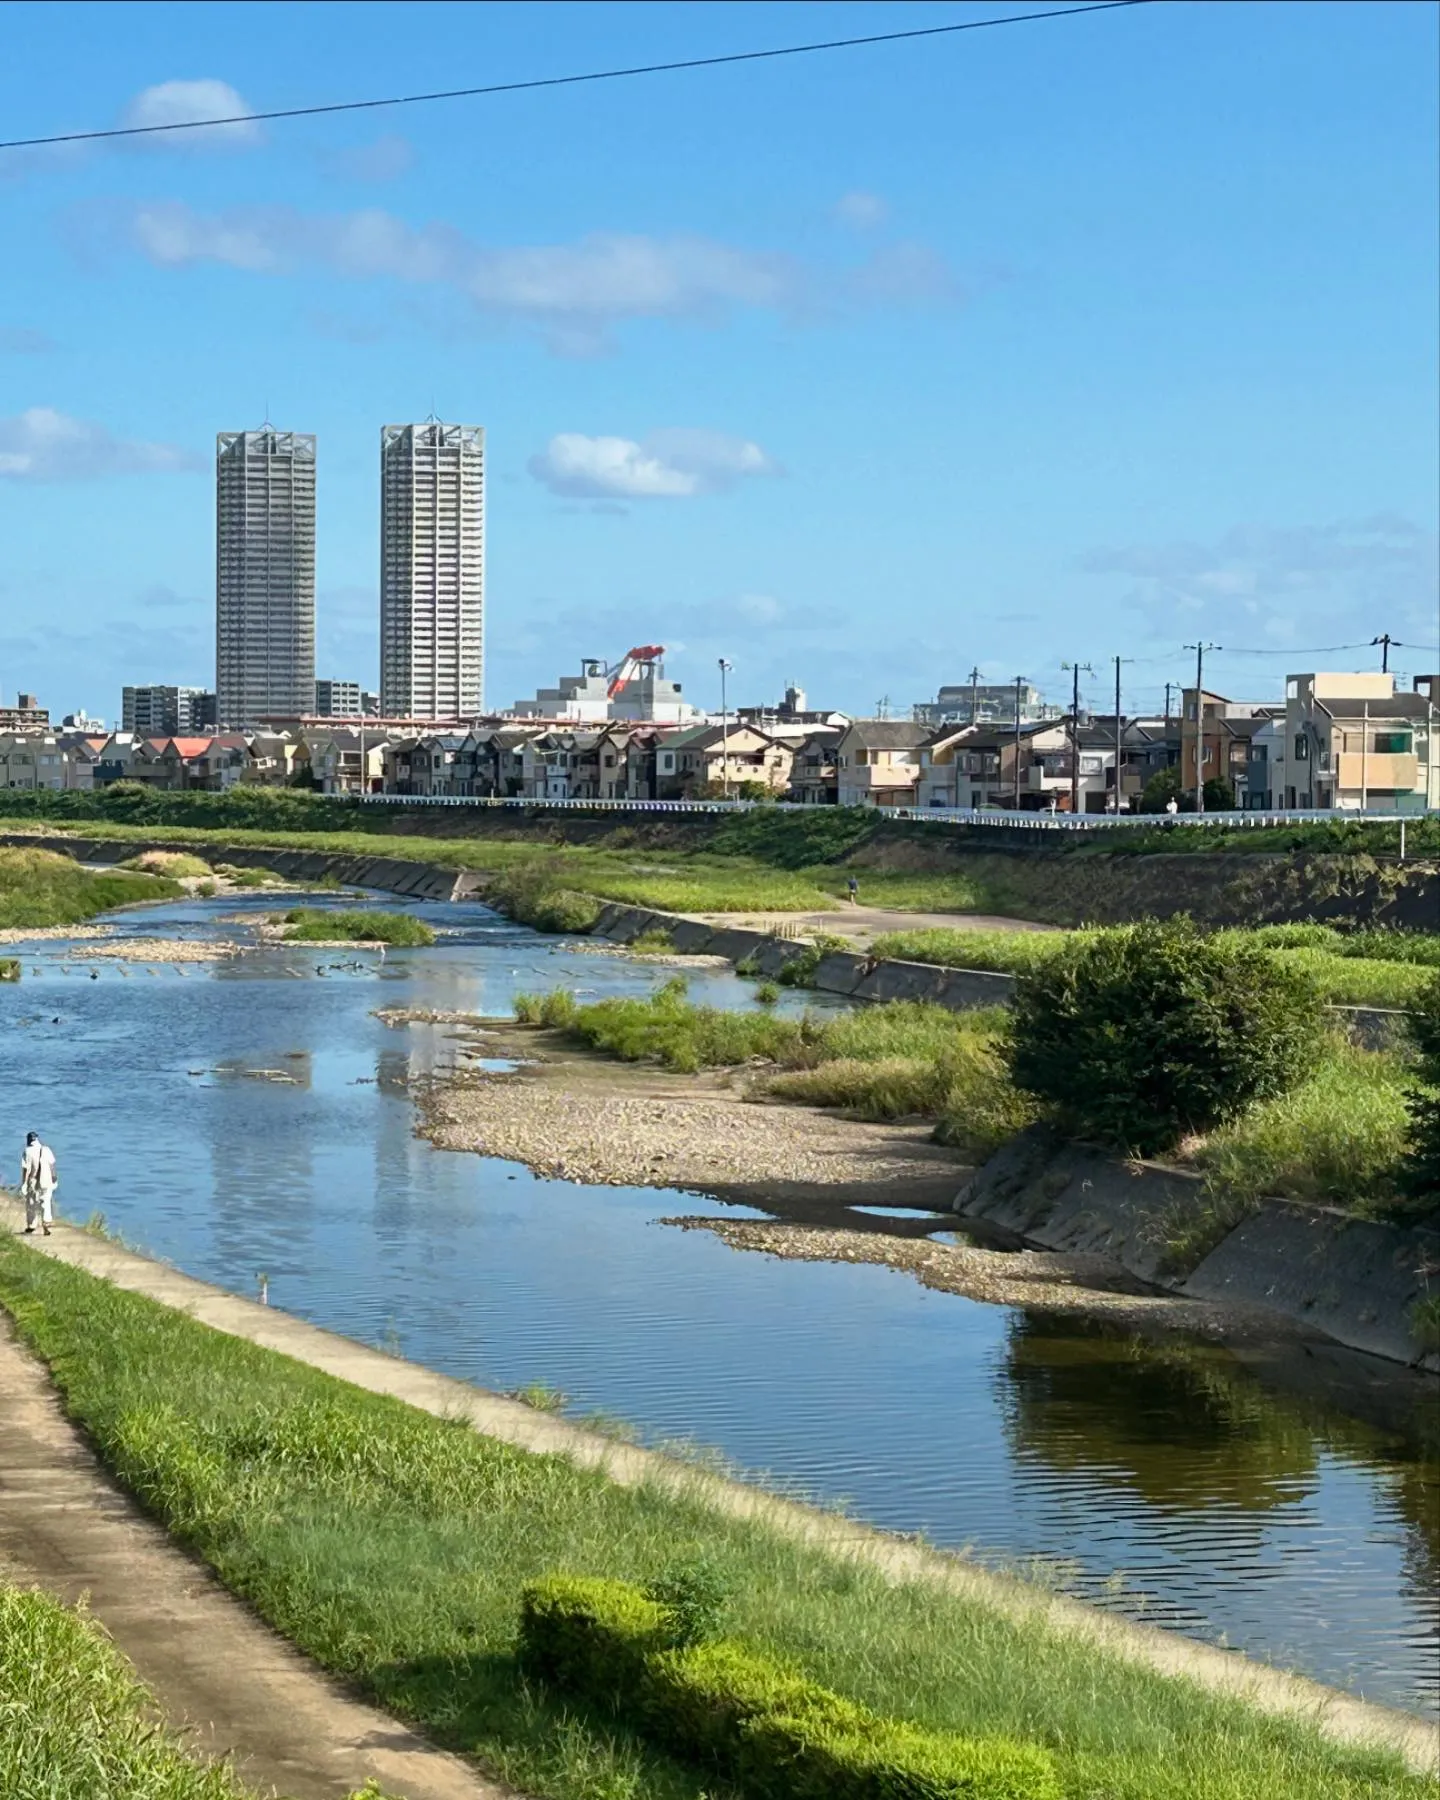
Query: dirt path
x=1338 y=1715
x=863 y=924
x=219 y=1674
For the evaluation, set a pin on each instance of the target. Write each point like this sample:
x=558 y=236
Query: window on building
x=1392 y=743
x=862 y=757
x=1302 y=748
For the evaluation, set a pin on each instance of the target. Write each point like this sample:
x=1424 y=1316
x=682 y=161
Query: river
x=253 y=1116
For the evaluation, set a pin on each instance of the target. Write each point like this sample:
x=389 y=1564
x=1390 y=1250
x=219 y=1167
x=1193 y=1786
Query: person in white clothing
x=37 y=1183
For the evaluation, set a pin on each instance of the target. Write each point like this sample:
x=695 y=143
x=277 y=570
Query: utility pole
x=1199 y=650
x=1385 y=641
x=1019 y=685
x=1119 y=732
x=974 y=697
x=725 y=668
x=1076 y=669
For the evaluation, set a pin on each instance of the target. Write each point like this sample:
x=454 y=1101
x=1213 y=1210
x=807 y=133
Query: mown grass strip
x=76 y=1723
x=393 y=1547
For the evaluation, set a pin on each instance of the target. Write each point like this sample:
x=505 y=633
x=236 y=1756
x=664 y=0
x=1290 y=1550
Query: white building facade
x=432 y=570
x=264 y=574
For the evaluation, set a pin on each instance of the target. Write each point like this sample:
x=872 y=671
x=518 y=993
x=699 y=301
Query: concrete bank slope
x=1338 y=1715
x=1353 y=1280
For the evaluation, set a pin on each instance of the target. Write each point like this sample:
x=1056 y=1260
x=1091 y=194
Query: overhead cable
x=553 y=81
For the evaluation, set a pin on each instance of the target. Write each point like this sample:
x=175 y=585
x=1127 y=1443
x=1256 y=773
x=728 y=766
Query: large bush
x=1420 y=1172
x=1144 y=1034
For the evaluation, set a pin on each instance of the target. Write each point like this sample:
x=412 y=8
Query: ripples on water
x=254 y=1116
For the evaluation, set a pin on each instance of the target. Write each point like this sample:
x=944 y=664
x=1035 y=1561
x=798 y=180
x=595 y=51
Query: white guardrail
x=992 y=818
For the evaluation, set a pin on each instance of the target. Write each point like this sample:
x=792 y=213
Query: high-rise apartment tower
x=264 y=574
x=432 y=570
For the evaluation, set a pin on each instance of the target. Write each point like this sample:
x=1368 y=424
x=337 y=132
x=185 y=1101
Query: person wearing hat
x=37 y=1182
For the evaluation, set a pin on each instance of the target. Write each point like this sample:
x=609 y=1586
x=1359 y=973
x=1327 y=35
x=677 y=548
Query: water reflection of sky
x=254 y=1115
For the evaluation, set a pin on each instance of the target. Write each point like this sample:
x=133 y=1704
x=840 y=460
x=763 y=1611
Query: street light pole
x=725 y=668
x=1019 y=683
x=1077 y=669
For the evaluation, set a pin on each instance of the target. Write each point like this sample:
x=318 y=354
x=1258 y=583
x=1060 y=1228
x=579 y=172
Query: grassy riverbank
x=1336 y=1139
x=787 y=862
x=392 y=1547
x=1362 y=968
x=39 y=888
x=75 y=1721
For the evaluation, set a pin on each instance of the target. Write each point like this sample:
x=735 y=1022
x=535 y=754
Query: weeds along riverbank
x=1337 y=1131
x=393 y=1547
x=41 y=889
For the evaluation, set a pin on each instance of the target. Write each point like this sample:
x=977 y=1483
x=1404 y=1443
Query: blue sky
x=1060 y=341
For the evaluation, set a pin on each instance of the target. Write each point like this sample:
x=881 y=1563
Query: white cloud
x=667 y=465
x=178 y=102
x=573 y=293
x=863 y=211
x=44 y=445
x=1267 y=585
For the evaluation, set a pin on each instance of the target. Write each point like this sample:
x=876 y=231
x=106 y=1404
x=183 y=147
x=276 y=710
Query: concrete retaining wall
x=1354 y=1280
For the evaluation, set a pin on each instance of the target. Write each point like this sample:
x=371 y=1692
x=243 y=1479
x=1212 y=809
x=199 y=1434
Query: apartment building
x=154 y=710
x=432 y=570
x=1354 y=742
x=264 y=574
x=338 y=699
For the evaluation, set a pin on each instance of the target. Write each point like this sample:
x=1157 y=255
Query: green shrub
x=315 y=926
x=9 y=968
x=555 y=1010
x=767 y=993
x=694 y=1595
x=537 y=893
x=778 y=1734
x=1420 y=1171
x=799 y=970
x=1146 y=1033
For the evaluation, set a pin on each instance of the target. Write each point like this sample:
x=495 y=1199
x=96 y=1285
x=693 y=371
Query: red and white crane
x=622 y=673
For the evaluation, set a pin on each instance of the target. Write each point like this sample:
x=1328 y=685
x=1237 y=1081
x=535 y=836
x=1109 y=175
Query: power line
x=551 y=81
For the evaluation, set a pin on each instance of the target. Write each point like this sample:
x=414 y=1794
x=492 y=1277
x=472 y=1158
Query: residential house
x=1265 y=780
x=273 y=759
x=35 y=760
x=877 y=762
x=1353 y=742
x=814 y=778
x=706 y=760
x=1221 y=731
x=397 y=758
x=175 y=765
x=333 y=756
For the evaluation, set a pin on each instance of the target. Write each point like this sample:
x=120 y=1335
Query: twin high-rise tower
x=432 y=572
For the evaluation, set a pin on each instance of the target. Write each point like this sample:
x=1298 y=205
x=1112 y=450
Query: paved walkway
x=863 y=924
x=1337 y=1714
x=222 y=1677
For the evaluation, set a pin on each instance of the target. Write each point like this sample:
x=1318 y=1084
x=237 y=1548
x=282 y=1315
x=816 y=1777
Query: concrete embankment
x=1357 y=1281
x=1340 y=1716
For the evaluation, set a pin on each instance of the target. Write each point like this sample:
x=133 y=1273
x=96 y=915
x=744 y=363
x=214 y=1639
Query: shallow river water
x=1169 y=1482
